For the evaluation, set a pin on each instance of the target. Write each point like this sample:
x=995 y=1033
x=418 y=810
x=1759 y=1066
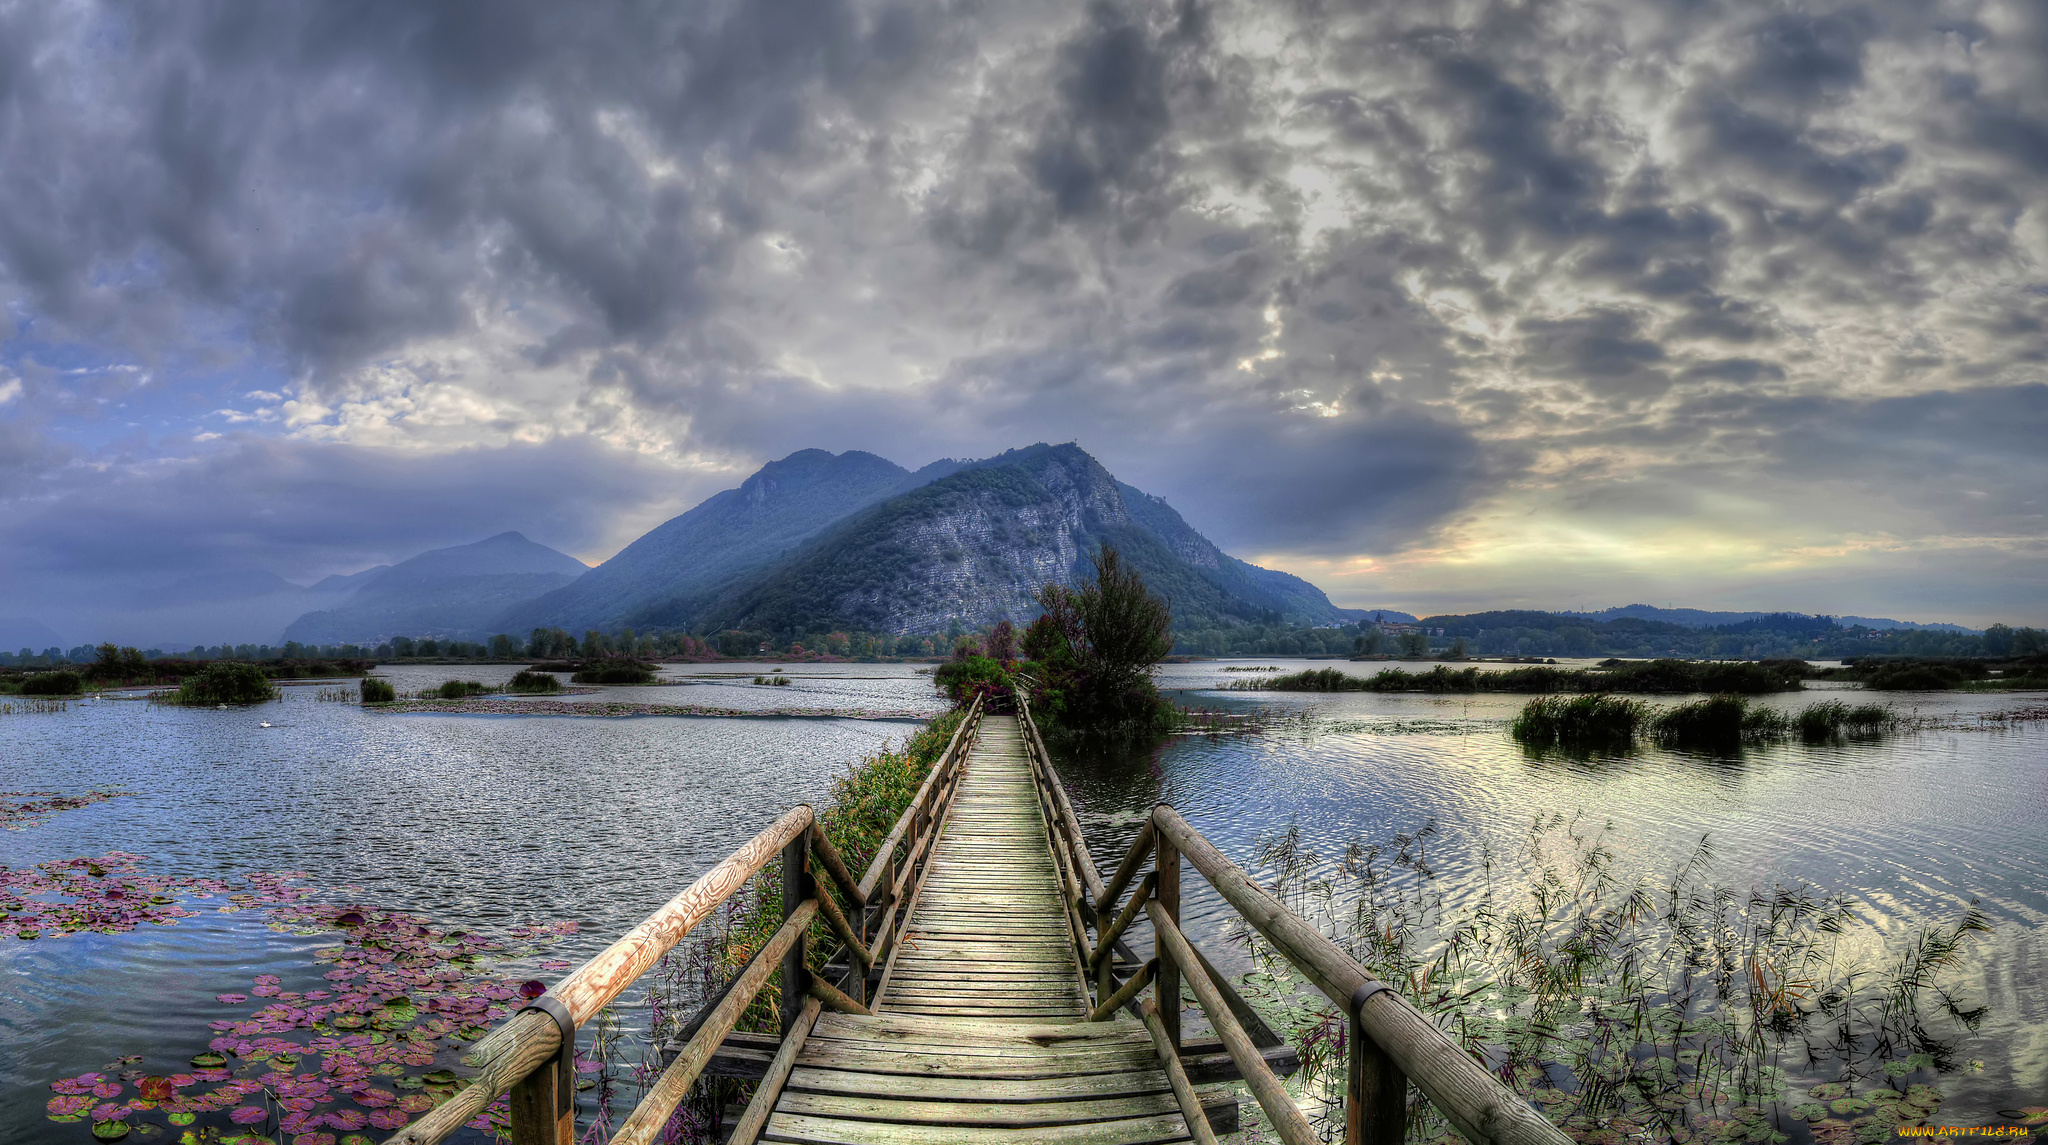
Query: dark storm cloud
x=1368 y=263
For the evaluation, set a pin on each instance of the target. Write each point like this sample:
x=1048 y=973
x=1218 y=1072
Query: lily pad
x=157 y=1089
x=183 y=1118
x=110 y=1130
x=209 y=1061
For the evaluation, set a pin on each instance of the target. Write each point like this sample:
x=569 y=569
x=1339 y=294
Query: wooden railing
x=1390 y=1041
x=531 y=1054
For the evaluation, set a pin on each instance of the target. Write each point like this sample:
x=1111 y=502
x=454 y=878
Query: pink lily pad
x=249 y=1115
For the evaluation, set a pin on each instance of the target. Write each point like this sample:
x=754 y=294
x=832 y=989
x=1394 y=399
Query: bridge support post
x=1168 y=893
x=1375 y=1094
x=797 y=889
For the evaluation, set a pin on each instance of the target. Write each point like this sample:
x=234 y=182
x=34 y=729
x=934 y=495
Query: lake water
x=491 y=822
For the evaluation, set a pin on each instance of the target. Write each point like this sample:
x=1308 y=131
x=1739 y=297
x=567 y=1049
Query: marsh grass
x=527 y=682
x=375 y=691
x=1579 y=722
x=33 y=706
x=1631 y=1009
x=1635 y=676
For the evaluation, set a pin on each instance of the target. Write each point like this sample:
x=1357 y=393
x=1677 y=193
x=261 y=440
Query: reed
x=376 y=691
x=1645 y=1009
x=530 y=683
x=1579 y=722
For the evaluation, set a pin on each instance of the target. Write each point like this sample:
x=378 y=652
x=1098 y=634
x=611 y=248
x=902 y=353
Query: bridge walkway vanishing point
x=1006 y=1004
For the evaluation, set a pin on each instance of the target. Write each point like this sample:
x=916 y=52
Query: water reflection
x=1915 y=828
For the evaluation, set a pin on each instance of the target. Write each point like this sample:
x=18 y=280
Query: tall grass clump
x=227 y=682
x=62 y=682
x=614 y=672
x=1831 y=718
x=377 y=691
x=461 y=689
x=1579 y=722
x=1718 y=723
x=527 y=682
x=1631 y=1008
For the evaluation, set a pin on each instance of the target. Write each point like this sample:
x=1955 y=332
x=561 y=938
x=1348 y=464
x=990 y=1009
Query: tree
x=1002 y=642
x=503 y=647
x=1125 y=627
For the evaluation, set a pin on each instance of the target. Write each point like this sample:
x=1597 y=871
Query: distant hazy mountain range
x=1695 y=618
x=813 y=542
x=447 y=593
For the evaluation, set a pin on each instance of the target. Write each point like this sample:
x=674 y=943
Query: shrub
x=529 y=682
x=1914 y=678
x=62 y=682
x=377 y=691
x=461 y=689
x=961 y=679
x=1591 y=721
x=227 y=682
x=614 y=672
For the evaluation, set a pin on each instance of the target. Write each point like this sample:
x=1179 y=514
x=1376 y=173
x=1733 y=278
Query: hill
x=676 y=568
x=444 y=593
x=972 y=547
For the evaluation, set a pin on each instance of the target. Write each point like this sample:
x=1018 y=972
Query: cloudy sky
x=1443 y=305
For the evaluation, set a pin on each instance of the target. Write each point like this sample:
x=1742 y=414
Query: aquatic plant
x=1583 y=722
x=1718 y=723
x=1831 y=718
x=1630 y=1009
x=20 y=810
x=461 y=689
x=358 y=1055
x=375 y=691
x=63 y=682
x=226 y=682
x=529 y=682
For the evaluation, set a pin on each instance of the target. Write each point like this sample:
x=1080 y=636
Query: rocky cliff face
x=974 y=547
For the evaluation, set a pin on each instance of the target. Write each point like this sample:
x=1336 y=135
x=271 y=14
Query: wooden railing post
x=1168 y=893
x=1375 y=1094
x=537 y=1108
x=797 y=889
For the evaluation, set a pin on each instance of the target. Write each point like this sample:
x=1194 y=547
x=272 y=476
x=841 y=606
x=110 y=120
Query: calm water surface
x=486 y=821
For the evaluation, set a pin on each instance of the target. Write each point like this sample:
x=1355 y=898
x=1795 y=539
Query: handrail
x=895 y=837
x=512 y=1052
x=1475 y=1101
x=510 y=1057
x=1390 y=1040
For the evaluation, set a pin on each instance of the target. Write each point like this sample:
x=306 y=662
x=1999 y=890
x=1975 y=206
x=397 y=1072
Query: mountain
x=667 y=575
x=17 y=632
x=445 y=593
x=973 y=546
x=1697 y=618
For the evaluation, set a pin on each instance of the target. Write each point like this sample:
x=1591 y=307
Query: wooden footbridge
x=983 y=991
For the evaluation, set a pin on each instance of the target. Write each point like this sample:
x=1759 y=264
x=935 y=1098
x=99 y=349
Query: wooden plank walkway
x=978 y=1032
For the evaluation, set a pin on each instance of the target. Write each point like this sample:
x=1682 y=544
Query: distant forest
x=1478 y=634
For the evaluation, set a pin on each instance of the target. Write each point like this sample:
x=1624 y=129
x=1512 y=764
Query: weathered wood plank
x=912 y=1111
x=832 y=1131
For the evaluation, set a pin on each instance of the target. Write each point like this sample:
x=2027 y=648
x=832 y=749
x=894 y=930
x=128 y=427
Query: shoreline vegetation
x=1674 y=677
x=1674 y=1008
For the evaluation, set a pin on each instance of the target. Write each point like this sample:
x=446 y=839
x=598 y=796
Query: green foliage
x=1656 y=676
x=614 y=672
x=1914 y=678
x=1831 y=718
x=461 y=689
x=964 y=677
x=1584 y=722
x=62 y=682
x=1099 y=646
x=527 y=682
x=227 y=682
x=1718 y=723
x=377 y=691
